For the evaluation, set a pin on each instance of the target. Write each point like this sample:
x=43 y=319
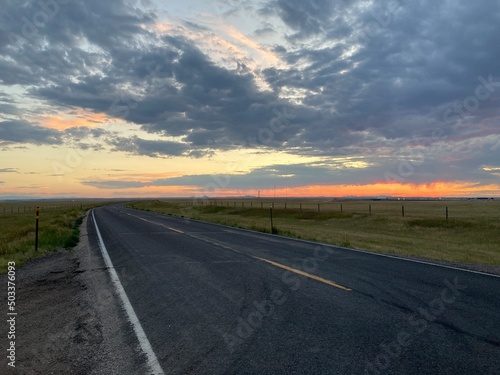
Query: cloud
x=24 y=132
x=153 y=148
x=241 y=38
x=81 y=119
x=280 y=175
x=266 y=29
x=8 y=170
x=9 y=109
x=114 y=184
x=305 y=17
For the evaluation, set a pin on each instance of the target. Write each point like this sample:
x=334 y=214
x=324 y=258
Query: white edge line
x=337 y=247
x=152 y=360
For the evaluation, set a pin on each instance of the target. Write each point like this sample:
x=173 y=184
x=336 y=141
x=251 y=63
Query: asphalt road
x=218 y=300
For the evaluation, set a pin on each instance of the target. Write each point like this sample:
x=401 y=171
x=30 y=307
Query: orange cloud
x=81 y=118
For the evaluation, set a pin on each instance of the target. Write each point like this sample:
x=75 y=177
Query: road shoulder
x=69 y=318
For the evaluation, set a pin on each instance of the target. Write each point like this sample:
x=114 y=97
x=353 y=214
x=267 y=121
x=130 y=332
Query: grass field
x=470 y=235
x=58 y=228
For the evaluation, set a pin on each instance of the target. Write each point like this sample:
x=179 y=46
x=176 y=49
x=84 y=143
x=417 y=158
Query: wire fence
x=22 y=208
x=446 y=209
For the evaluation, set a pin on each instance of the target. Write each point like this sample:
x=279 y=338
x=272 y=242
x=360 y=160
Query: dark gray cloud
x=262 y=178
x=8 y=106
x=45 y=48
x=153 y=148
x=24 y=132
x=401 y=79
x=305 y=17
x=417 y=67
x=4 y=98
x=8 y=109
x=265 y=29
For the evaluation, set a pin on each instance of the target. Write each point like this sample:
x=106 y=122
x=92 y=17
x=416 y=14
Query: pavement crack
x=489 y=339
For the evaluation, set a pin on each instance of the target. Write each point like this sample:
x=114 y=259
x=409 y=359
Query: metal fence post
x=37 y=218
x=271 y=216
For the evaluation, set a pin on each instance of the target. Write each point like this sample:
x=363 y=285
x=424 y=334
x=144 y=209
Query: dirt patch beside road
x=69 y=318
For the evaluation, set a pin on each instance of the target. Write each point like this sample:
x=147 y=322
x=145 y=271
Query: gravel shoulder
x=70 y=320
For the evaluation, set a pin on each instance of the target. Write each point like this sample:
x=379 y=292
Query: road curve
x=218 y=300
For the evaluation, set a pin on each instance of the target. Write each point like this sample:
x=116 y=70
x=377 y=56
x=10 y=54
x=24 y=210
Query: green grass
x=58 y=229
x=471 y=235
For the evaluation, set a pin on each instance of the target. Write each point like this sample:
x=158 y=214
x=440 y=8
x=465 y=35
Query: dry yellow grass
x=58 y=228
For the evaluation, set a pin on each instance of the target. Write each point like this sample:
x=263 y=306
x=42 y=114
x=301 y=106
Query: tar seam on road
x=152 y=360
x=299 y=272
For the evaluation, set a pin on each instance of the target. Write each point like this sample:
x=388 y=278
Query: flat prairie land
x=471 y=234
x=58 y=228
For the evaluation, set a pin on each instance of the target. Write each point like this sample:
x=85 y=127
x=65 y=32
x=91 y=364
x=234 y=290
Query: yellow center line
x=152 y=222
x=299 y=272
x=175 y=230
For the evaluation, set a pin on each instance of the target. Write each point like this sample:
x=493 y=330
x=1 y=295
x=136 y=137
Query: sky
x=129 y=98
